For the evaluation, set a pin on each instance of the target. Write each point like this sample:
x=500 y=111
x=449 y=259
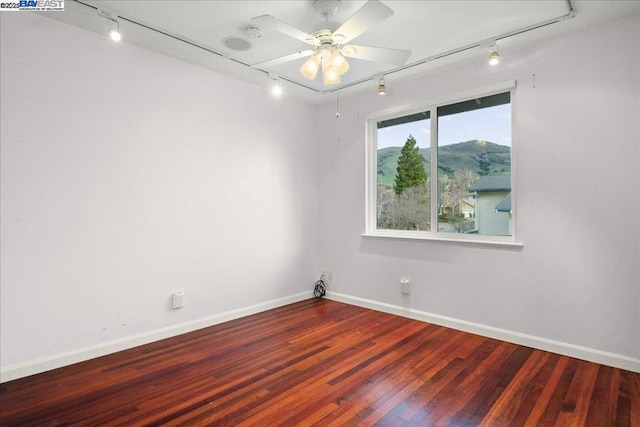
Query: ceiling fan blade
x=367 y=16
x=268 y=21
x=377 y=54
x=281 y=60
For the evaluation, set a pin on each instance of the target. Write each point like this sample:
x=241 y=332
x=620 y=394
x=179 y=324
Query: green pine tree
x=411 y=172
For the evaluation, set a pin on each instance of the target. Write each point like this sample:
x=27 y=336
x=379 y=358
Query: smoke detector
x=252 y=32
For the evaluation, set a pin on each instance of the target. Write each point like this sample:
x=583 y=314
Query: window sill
x=489 y=241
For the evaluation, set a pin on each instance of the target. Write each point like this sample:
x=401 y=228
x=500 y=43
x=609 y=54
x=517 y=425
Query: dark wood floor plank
x=549 y=388
x=327 y=375
x=506 y=401
x=363 y=397
x=576 y=402
x=470 y=381
x=320 y=362
x=628 y=412
x=440 y=383
x=604 y=402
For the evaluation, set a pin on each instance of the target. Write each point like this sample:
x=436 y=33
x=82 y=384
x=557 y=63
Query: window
x=443 y=170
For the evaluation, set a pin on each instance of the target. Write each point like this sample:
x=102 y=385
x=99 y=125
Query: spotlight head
x=276 y=89
x=115 y=35
x=382 y=90
x=114 y=30
x=494 y=58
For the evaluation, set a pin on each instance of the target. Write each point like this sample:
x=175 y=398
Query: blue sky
x=490 y=124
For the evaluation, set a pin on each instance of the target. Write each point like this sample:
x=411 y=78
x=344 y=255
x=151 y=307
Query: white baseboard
x=584 y=353
x=59 y=360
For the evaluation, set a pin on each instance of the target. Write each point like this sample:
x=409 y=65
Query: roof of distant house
x=492 y=183
x=505 y=204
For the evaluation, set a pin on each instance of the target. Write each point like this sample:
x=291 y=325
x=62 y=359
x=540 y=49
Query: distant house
x=466 y=208
x=456 y=206
x=493 y=205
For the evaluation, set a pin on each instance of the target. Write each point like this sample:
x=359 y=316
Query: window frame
x=371 y=153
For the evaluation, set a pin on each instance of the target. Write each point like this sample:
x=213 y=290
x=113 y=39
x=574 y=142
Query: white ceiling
x=193 y=31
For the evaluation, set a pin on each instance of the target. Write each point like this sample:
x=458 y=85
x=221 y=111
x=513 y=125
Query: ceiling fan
x=331 y=41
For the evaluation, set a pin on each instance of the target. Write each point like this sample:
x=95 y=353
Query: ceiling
x=438 y=33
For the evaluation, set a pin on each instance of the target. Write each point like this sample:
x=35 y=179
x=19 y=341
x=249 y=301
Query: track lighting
x=114 y=30
x=276 y=88
x=494 y=55
x=113 y=24
x=381 y=87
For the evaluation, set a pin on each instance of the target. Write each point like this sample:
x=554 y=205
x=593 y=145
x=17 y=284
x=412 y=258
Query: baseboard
x=584 y=353
x=57 y=361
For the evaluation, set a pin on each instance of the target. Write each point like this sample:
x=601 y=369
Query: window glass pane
x=403 y=200
x=474 y=166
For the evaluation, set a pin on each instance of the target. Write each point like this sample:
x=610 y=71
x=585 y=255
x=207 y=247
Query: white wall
x=127 y=175
x=575 y=285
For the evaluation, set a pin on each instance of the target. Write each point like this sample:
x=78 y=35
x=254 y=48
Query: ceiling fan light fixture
x=330 y=75
x=338 y=62
x=310 y=68
x=331 y=40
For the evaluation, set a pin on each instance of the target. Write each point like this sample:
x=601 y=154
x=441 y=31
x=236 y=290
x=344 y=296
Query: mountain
x=483 y=157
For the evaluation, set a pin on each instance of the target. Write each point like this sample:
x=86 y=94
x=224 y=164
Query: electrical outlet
x=404 y=286
x=177 y=300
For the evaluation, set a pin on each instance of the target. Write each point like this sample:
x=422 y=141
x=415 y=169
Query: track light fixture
x=332 y=42
x=113 y=24
x=494 y=55
x=114 y=30
x=276 y=88
x=382 y=90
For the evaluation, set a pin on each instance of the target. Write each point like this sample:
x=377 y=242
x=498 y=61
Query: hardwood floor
x=320 y=362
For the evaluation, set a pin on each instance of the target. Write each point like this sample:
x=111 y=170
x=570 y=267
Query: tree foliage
x=407 y=211
x=411 y=171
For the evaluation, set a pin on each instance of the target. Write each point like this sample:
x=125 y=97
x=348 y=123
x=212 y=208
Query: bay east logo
x=32 y=5
x=41 y=4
